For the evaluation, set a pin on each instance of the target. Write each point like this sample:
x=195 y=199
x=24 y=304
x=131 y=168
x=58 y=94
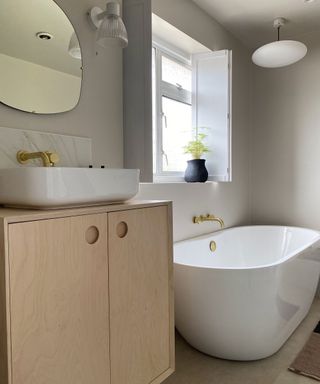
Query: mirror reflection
x=40 y=57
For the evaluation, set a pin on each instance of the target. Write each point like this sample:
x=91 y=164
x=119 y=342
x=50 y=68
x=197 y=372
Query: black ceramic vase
x=196 y=171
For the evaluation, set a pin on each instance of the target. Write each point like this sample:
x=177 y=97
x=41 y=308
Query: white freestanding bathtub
x=243 y=301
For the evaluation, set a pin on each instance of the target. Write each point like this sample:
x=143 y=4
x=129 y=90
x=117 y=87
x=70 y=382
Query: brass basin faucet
x=202 y=218
x=49 y=159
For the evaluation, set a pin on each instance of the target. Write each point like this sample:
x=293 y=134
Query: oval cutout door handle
x=122 y=229
x=92 y=235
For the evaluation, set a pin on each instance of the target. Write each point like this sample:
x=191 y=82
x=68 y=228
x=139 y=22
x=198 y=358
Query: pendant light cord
x=279 y=33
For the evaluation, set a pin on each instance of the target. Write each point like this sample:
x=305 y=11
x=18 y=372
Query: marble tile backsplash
x=73 y=151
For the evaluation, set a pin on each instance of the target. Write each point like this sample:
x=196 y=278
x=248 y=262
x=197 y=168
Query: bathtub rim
x=283 y=260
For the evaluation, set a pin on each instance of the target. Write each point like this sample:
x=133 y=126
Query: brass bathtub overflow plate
x=213 y=246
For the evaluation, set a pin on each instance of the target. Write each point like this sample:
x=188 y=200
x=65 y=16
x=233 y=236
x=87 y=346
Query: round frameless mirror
x=40 y=57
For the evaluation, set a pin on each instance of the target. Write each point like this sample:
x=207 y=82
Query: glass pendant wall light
x=111 y=29
x=74 y=47
x=279 y=53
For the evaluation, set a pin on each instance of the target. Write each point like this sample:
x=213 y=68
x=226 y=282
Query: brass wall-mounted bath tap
x=202 y=218
x=49 y=159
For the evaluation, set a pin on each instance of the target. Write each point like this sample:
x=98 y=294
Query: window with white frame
x=172 y=102
x=188 y=93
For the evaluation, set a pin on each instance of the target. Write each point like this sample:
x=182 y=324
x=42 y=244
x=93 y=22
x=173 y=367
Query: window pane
x=176 y=132
x=154 y=110
x=176 y=74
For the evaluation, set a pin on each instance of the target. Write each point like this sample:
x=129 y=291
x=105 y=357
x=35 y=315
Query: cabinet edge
x=171 y=288
x=163 y=376
x=5 y=337
x=14 y=215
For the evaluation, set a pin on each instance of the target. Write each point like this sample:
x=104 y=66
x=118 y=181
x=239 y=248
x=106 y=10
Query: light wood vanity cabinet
x=86 y=295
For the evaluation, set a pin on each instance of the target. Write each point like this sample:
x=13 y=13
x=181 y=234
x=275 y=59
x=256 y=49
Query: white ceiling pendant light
x=74 y=47
x=111 y=29
x=279 y=53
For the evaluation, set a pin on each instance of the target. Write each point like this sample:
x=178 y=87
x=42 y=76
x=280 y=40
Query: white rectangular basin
x=45 y=188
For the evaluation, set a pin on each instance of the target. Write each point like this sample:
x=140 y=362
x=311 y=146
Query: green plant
x=196 y=148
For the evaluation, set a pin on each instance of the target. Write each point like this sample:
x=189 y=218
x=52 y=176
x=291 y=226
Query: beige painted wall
x=229 y=200
x=286 y=159
x=99 y=113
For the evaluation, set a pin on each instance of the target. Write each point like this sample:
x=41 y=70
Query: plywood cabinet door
x=140 y=270
x=59 y=301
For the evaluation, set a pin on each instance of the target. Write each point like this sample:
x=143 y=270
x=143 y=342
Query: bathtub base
x=247 y=353
x=245 y=314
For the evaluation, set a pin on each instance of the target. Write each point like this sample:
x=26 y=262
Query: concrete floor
x=193 y=367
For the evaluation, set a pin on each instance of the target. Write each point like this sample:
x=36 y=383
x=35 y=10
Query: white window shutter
x=212 y=86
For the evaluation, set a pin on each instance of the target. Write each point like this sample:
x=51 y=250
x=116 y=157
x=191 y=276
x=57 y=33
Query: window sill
x=180 y=180
x=168 y=179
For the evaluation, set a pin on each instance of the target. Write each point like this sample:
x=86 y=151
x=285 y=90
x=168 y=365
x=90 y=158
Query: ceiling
x=20 y=20
x=251 y=20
